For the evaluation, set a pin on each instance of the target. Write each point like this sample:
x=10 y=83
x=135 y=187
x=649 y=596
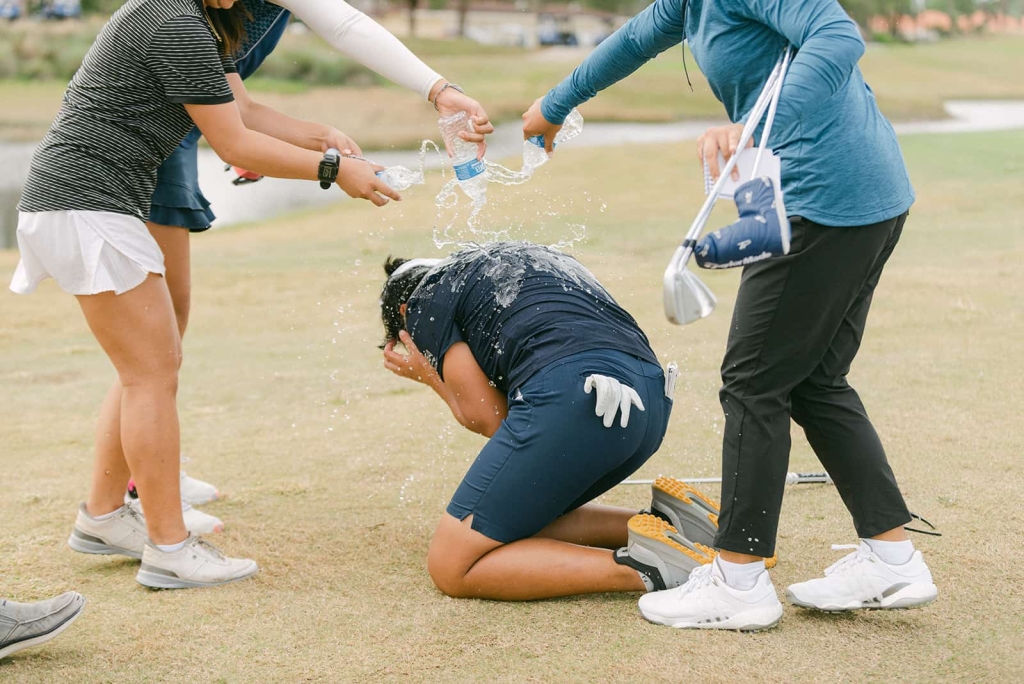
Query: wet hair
x=229 y=25
x=396 y=292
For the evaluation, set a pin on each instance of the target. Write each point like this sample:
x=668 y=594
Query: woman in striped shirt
x=158 y=68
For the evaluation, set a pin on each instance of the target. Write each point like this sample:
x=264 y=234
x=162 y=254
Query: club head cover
x=761 y=232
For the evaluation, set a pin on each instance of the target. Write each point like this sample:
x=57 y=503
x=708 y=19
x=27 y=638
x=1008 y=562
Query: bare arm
x=477 y=406
x=304 y=134
x=239 y=146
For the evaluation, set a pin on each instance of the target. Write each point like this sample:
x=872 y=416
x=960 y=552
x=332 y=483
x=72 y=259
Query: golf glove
x=612 y=396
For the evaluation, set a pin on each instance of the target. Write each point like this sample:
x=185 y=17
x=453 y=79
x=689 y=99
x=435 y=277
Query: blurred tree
x=463 y=9
x=412 y=17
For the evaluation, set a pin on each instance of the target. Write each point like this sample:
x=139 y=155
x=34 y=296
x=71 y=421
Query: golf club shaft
x=791 y=478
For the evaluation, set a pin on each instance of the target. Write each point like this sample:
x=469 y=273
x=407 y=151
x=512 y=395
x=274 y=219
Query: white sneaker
x=196 y=521
x=197 y=564
x=123 y=533
x=707 y=602
x=196 y=492
x=862 y=580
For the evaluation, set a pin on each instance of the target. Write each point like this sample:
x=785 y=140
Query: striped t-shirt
x=123 y=113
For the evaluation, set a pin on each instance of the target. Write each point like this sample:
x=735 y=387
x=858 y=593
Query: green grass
x=911 y=82
x=337 y=471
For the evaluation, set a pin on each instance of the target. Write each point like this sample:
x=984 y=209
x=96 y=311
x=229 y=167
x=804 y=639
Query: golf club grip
x=791 y=478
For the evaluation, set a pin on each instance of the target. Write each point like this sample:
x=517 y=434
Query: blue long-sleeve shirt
x=841 y=163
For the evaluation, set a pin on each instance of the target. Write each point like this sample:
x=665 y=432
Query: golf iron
x=686 y=297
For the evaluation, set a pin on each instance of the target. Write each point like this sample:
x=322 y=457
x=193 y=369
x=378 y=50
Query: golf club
x=791 y=479
x=686 y=297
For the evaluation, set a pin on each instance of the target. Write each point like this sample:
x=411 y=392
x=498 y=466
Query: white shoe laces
x=699 y=578
x=213 y=550
x=847 y=563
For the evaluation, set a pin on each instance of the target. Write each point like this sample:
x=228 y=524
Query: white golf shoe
x=197 y=564
x=707 y=602
x=196 y=492
x=196 y=521
x=124 y=533
x=861 y=580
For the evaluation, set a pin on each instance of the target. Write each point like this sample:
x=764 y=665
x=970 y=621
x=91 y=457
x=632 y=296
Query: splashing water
x=451 y=232
x=401 y=177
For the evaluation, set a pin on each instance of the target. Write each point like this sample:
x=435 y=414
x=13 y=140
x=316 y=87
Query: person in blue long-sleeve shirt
x=799 y=319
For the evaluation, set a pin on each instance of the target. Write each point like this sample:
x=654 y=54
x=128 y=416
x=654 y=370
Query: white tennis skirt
x=86 y=252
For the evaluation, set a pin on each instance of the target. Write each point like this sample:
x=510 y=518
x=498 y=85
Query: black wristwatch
x=327 y=172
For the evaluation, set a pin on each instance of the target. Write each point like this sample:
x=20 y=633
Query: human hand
x=612 y=396
x=724 y=139
x=358 y=178
x=451 y=101
x=413 y=366
x=534 y=123
x=335 y=139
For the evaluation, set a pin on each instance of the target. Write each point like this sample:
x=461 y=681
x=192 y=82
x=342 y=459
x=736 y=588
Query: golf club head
x=686 y=298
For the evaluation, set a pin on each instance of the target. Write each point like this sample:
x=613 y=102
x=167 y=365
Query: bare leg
x=592 y=525
x=109 y=481
x=464 y=563
x=139 y=334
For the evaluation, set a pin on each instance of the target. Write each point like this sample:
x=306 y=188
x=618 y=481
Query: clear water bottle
x=534 y=155
x=470 y=171
x=400 y=177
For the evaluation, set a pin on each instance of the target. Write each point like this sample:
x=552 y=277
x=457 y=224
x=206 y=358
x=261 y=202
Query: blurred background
x=922 y=54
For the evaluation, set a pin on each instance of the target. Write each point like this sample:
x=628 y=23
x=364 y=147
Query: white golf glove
x=612 y=396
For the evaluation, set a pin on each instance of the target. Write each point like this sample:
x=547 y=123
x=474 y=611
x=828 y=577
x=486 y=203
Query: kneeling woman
x=529 y=350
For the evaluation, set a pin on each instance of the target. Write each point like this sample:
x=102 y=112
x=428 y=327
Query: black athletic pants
x=796 y=328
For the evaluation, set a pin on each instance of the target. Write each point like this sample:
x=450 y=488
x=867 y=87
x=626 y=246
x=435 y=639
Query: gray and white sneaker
x=23 y=625
x=663 y=558
x=197 y=564
x=124 y=533
x=862 y=580
x=196 y=521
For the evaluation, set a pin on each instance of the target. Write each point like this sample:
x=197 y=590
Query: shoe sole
x=689 y=496
x=649 y=543
x=756 y=620
x=86 y=543
x=909 y=597
x=686 y=509
x=42 y=638
x=155 y=578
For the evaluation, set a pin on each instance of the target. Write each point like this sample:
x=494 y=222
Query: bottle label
x=538 y=140
x=470 y=169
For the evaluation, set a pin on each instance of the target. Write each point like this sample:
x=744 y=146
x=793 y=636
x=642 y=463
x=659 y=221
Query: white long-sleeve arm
x=353 y=33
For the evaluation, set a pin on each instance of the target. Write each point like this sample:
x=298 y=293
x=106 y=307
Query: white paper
x=770 y=166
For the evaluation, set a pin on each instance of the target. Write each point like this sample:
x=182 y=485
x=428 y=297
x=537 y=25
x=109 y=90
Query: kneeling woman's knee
x=447 y=574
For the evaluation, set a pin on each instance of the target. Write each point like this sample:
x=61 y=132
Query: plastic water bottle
x=534 y=154
x=400 y=177
x=470 y=171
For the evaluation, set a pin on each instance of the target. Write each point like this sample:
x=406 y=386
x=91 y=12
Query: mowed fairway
x=337 y=472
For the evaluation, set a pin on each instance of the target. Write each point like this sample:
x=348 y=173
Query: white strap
x=767 y=130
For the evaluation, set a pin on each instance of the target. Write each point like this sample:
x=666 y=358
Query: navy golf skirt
x=177 y=200
x=552 y=454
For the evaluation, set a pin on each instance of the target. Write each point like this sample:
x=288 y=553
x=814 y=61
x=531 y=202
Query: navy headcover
x=756 y=235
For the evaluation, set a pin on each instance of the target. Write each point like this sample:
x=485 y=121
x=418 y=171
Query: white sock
x=892 y=553
x=171 y=548
x=742 y=576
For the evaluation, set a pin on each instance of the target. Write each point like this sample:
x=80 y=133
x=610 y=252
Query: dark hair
x=229 y=25
x=396 y=292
